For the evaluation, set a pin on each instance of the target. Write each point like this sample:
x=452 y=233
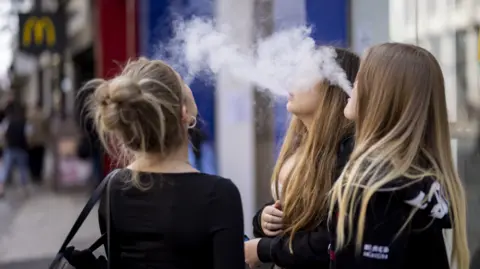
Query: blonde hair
x=304 y=193
x=401 y=131
x=140 y=110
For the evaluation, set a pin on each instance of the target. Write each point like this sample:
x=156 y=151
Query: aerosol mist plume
x=287 y=60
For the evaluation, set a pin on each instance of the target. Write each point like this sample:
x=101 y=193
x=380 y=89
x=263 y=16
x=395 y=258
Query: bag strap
x=98 y=243
x=109 y=222
x=97 y=194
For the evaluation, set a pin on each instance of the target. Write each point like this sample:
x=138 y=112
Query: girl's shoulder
x=424 y=196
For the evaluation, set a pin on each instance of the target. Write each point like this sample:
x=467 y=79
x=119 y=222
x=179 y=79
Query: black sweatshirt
x=310 y=247
x=420 y=245
x=184 y=220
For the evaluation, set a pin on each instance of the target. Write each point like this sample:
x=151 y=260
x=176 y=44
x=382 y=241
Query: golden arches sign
x=42 y=29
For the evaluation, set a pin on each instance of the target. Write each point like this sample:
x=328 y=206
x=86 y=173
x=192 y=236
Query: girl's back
x=183 y=220
x=164 y=213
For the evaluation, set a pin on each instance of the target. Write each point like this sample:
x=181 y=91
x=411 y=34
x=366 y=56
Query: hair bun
x=119 y=100
x=122 y=90
x=141 y=109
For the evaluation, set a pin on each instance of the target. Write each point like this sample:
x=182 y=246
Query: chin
x=348 y=115
x=290 y=108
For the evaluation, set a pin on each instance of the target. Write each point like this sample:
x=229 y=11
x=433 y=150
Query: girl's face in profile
x=303 y=102
x=350 y=110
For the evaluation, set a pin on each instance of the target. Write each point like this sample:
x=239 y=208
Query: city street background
x=50 y=48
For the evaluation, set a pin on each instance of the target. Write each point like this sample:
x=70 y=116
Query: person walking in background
x=37 y=140
x=15 y=129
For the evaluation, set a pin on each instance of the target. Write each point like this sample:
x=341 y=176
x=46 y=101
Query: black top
x=310 y=248
x=184 y=220
x=15 y=136
x=419 y=246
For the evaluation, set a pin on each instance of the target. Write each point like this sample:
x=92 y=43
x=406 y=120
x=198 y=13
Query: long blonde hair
x=402 y=130
x=304 y=193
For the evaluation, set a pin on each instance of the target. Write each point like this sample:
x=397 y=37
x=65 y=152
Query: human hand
x=271 y=219
x=251 y=256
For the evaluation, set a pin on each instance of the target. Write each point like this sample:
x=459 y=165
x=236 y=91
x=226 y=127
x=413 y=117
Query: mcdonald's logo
x=42 y=29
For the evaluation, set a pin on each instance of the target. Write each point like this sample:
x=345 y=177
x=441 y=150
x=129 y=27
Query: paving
x=32 y=228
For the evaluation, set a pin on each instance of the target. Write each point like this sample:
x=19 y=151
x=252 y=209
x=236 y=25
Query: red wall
x=115 y=43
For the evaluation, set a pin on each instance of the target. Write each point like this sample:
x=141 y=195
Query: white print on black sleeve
x=375 y=252
x=440 y=204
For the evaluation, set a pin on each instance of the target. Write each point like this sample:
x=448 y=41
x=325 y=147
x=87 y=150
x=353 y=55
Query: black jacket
x=310 y=247
x=420 y=245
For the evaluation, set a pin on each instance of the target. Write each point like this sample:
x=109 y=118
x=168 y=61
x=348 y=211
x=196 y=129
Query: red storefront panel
x=116 y=41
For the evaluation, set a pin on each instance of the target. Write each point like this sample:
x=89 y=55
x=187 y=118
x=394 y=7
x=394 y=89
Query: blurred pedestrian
x=6 y=107
x=15 y=129
x=37 y=141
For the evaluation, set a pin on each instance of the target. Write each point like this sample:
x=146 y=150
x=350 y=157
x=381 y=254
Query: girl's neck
x=175 y=162
x=307 y=121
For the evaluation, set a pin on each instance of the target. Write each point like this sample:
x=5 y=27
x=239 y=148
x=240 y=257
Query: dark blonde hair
x=305 y=203
x=140 y=110
x=402 y=131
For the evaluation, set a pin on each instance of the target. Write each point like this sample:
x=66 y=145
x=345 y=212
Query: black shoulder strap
x=97 y=194
x=109 y=221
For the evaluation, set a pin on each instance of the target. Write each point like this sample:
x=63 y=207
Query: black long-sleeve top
x=182 y=221
x=310 y=248
x=420 y=245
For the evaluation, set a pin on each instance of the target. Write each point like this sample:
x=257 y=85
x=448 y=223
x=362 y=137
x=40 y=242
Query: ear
x=185 y=116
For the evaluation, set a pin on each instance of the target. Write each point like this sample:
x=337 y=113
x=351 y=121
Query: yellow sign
x=43 y=30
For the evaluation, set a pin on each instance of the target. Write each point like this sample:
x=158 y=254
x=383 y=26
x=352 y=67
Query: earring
x=192 y=123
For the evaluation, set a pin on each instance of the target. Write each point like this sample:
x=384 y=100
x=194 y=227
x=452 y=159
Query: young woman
x=315 y=149
x=164 y=213
x=400 y=189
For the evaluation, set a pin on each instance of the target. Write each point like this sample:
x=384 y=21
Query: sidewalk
x=35 y=228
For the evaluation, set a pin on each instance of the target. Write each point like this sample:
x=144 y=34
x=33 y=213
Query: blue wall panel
x=329 y=20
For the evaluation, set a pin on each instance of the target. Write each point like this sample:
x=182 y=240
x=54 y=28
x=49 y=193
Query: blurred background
x=49 y=48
